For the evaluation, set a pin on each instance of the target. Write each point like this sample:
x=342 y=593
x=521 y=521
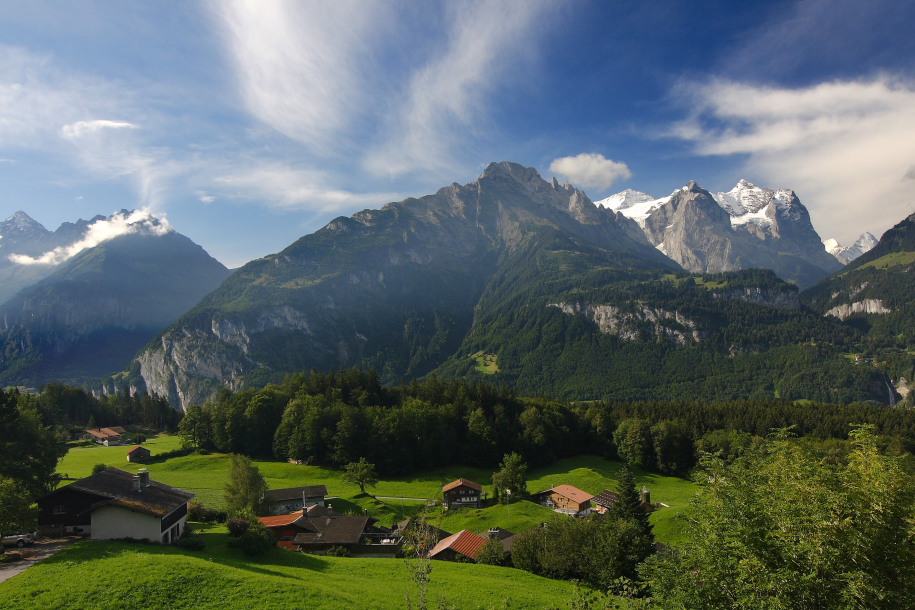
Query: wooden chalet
x=115 y=504
x=565 y=499
x=463 y=493
x=463 y=546
x=292 y=499
x=107 y=436
x=139 y=454
x=286 y=528
x=602 y=502
x=322 y=529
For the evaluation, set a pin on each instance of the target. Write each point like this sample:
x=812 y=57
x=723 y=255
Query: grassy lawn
x=393 y=499
x=119 y=575
x=486 y=363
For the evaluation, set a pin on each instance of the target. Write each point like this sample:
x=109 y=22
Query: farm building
x=292 y=499
x=463 y=493
x=139 y=454
x=114 y=504
x=463 y=546
x=565 y=499
x=106 y=436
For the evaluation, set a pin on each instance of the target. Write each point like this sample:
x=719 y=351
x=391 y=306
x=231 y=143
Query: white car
x=19 y=540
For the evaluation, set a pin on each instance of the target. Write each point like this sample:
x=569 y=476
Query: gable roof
x=295 y=493
x=283 y=520
x=606 y=498
x=332 y=529
x=114 y=486
x=572 y=493
x=136 y=448
x=464 y=542
x=104 y=433
x=464 y=482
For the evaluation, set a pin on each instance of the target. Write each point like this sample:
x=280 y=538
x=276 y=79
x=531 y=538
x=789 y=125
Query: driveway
x=33 y=554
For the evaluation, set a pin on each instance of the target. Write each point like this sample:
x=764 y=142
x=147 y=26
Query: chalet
x=107 y=436
x=286 y=527
x=139 y=454
x=602 y=502
x=115 y=503
x=406 y=530
x=323 y=529
x=463 y=546
x=565 y=499
x=463 y=493
x=292 y=499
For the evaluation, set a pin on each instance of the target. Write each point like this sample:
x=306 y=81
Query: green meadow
x=103 y=575
x=394 y=499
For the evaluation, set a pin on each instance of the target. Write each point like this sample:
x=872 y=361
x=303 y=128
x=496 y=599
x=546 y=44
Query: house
x=463 y=546
x=602 y=502
x=323 y=529
x=114 y=504
x=286 y=527
x=462 y=493
x=565 y=499
x=409 y=538
x=139 y=454
x=292 y=499
x=107 y=436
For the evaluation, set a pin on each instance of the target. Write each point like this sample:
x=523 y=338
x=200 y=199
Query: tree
x=16 y=512
x=244 y=493
x=492 y=553
x=361 y=473
x=633 y=442
x=628 y=505
x=511 y=479
x=780 y=527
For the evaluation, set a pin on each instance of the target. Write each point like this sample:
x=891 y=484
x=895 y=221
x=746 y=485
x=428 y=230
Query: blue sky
x=251 y=123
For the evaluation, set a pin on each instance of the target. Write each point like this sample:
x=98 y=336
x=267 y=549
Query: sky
x=248 y=124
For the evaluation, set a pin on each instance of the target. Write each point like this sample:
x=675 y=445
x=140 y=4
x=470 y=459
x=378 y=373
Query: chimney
x=143 y=476
x=136 y=482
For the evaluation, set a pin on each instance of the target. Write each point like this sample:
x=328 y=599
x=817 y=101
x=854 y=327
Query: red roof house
x=458 y=547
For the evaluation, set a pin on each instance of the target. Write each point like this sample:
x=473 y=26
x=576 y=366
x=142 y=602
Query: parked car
x=19 y=540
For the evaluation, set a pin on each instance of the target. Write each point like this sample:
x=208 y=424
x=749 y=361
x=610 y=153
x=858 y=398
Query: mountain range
x=510 y=278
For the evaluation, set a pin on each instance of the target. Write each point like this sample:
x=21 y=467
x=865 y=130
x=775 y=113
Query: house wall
x=66 y=508
x=462 y=496
x=109 y=522
x=559 y=501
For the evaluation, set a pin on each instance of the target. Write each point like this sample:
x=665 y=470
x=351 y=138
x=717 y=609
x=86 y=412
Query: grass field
x=103 y=575
x=393 y=499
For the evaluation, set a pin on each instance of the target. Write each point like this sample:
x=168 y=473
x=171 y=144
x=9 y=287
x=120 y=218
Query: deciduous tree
x=245 y=490
x=511 y=479
x=361 y=473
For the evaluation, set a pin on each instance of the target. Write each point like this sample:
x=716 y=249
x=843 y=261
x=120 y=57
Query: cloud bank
x=846 y=147
x=591 y=170
x=138 y=221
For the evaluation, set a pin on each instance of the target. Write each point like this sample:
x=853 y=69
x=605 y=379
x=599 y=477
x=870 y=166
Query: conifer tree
x=629 y=505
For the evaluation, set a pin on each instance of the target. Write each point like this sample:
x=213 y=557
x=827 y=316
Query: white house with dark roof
x=115 y=504
x=292 y=499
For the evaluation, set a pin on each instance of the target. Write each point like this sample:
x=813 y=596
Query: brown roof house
x=292 y=499
x=323 y=529
x=114 y=504
x=565 y=499
x=463 y=546
x=463 y=493
x=107 y=436
x=602 y=502
x=286 y=527
x=139 y=454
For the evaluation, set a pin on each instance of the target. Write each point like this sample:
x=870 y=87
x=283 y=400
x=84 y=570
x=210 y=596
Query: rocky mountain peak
x=21 y=224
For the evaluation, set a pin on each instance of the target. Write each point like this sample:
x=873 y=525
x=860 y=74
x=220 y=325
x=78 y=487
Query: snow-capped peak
x=633 y=204
x=846 y=254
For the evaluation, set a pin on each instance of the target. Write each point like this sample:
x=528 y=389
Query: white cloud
x=591 y=170
x=78 y=129
x=845 y=147
x=446 y=102
x=302 y=67
x=295 y=189
x=100 y=231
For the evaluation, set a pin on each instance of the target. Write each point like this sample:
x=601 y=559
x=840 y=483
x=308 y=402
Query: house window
x=60 y=509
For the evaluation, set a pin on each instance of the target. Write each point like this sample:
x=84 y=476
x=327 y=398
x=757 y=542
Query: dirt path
x=33 y=554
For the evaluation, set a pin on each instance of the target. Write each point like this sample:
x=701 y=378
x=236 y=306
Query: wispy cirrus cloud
x=591 y=170
x=98 y=232
x=845 y=147
x=445 y=103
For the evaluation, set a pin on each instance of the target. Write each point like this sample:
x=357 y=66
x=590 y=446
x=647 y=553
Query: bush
x=192 y=543
x=338 y=551
x=99 y=468
x=205 y=514
x=238 y=526
x=255 y=542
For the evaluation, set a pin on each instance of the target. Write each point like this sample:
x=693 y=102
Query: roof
x=498 y=532
x=107 y=432
x=464 y=482
x=116 y=487
x=282 y=520
x=464 y=542
x=332 y=529
x=572 y=493
x=606 y=498
x=294 y=493
x=137 y=447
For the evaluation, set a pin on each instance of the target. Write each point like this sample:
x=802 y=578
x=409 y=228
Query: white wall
x=115 y=522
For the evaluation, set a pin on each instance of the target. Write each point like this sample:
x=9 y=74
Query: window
x=60 y=509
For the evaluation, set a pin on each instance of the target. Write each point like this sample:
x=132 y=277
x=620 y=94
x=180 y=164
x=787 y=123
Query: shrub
x=205 y=514
x=238 y=526
x=98 y=468
x=338 y=551
x=255 y=542
x=192 y=543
